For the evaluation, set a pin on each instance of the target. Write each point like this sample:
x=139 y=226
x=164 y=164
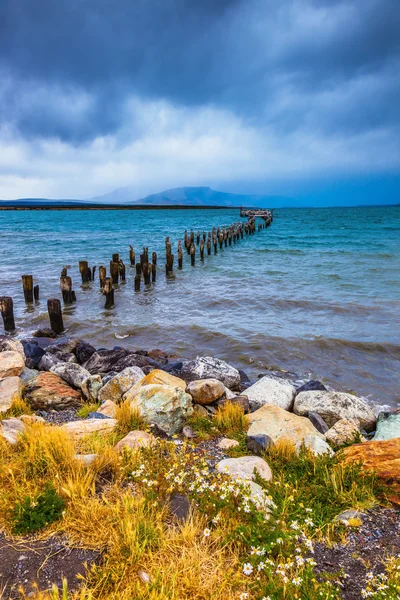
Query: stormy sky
x=292 y=97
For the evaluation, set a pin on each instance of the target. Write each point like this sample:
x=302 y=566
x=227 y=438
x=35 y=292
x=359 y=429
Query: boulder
x=159 y=356
x=311 y=386
x=316 y=445
x=156 y=377
x=206 y=391
x=11 y=429
x=91 y=387
x=11 y=364
x=64 y=346
x=136 y=439
x=28 y=374
x=317 y=421
x=109 y=409
x=84 y=427
x=345 y=431
x=199 y=410
x=8 y=344
x=104 y=361
x=268 y=390
x=280 y=425
x=244 y=467
x=71 y=373
x=47 y=390
x=227 y=443
x=333 y=406
x=120 y=384
x=383 y=457
x=83 y=352
x=166 y=406
x=50 y=360
x=135 y=360
x=388 y=426
x=257 y=444
x=10 y=391
x=45 y=333
x=241 y=400
x=207 y=367
x=33 y=354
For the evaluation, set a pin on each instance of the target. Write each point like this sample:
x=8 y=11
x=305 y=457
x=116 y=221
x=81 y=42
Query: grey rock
x=48 y=361
x=311 y=386
x=72 y=373
x=269 y=390
x=241 y=400
x=91 y=387
x=28 y=374
x=104 y=361
x=97 y=415
x=83 y=352
x=9 y=344
x=64 y=346
x=33 y=354
x=135 y=360
x=334 y=406
x=208 y=367
x=121 y=383
x=179 y=507
x=188 y=432
x=388 y=426
x=317 y=421
x=257 y=444
x=316 y=445
x=245 y=467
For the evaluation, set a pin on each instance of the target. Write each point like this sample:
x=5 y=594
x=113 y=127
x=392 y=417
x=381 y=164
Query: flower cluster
x=384 y=585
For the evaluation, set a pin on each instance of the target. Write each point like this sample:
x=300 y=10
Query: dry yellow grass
x=129 y=418
x=230 y=419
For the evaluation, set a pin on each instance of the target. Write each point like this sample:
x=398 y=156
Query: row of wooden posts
x=206 y=242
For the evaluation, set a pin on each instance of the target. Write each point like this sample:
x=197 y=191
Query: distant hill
x=195 y=196
x=191 y=196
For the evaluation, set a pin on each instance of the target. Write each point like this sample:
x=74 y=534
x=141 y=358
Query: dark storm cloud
x=331 y=64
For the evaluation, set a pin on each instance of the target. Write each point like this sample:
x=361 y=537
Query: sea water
x=316 y=294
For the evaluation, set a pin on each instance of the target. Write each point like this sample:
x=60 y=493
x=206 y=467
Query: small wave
x=121 y=336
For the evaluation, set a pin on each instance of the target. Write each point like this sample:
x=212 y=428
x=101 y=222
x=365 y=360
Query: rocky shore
x=68 y=382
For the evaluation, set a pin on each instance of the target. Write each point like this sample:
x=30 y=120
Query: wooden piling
x=169 y=265
x=139 y=269
x=153 y=272
x=201 y=249
x=122 y=271
x=55 y=315
x=102 y=275
x=66 y=289
x=27 y=285
x=93 y=272
x=36 y=293
x=180 y=255
x=132 y=257
x=115 y=258
x=192 y=255
x=208 y=247
x=146 y=273
x=7 y=312
x=114 y=271
x=154 y=258
x=198 y=238
x=137 y=282
x=84 y=270
x=108 y=292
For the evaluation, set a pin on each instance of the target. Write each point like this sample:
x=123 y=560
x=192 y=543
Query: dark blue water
x=318 y=293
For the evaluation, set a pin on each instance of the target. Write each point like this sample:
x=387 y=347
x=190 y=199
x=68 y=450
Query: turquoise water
x=318 y=293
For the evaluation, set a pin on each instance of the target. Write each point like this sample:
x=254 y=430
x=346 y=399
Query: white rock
x=227 y=443
x=71 y=373
x=136 y=439
x=79 y=429
x=317 y=445
x=206 y=367
x=244 y=467
x=333 y=406
x=11 y=429
x=11 y=364
x=86 y=459
x=271 y=391
x=280 y=425
x=108 y=408
x=10 y=391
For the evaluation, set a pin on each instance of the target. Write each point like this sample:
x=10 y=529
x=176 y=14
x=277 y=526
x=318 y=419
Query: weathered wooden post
x=66 y=289
x=102 y=275
x=139 y=269
x=114 y=271
x=208 y=247
x=201 y=249
x=154 y=267
x=193 y=255
x=137 y=282
x=115 y=257
x=122 y=270
x=215 y=244
x=198 y=237
x=7 y=312
x=221 y=239
x=204 y=236
x=27 y=285
x=132 y=257
x=180 y=255
x=55 y=315
x=93 y=272
x=36 y=293
x=85 y=272
x=147 y=273
x=108 y=292
x=169 y=266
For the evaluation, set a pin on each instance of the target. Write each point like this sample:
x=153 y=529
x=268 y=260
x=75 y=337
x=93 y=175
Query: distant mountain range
x=192 y=196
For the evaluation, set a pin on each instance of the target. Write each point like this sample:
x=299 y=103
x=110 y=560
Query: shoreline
x=120 y=207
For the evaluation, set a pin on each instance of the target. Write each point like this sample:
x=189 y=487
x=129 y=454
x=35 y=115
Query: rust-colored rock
x=383 y=457
x=47 y=390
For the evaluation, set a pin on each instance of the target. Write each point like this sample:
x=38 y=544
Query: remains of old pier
x=195 y=243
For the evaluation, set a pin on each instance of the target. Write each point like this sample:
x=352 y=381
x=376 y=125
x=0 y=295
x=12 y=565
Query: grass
x=87 y=409
x=231 y=547
x=129 y=418
x=18 y=407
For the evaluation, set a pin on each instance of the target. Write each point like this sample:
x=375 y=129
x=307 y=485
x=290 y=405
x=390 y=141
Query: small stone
x=311 y=386
x=317 y=421
x=345 y=431
x=136 y=439
x=11 y=429
x=244 y=467
x=188 y=432
x=241 y=401
x=206 y=391
x=316 y=445
x=227 y=443
x=97 y=415
x=11 y=364
x=10 y=392
x=109 y=409
x=348 y=516
x=33 y=354
x=86 y=459
x=84 y=427
x=258 y=444
x=200 y=410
